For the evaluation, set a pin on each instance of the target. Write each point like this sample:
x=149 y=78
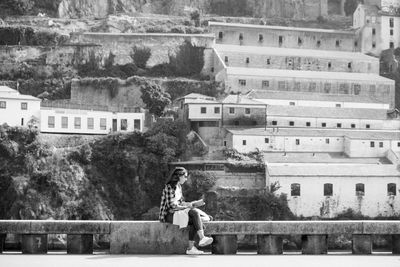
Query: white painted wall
x=312 y=201
x=195 y=112
x=13 y=114
x=362 y=148
x=386 y=38
x=84 y=115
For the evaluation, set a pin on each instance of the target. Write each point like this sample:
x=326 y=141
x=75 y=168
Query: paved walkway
x=240 y=260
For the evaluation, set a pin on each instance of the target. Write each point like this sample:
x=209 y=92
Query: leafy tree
x=140 y=56
x=154 y=98
x=19 y=7
x=188 y=61
x=350 y=6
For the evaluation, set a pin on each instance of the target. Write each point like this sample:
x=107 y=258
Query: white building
x=79 y=119
x=17 y=109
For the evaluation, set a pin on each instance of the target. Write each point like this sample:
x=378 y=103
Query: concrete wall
x=161 y=45
x=312 y=201
x=364 y=148
x=195 y=112
x=71 y=114
x=257 y=115
x=290 y=36
x=317 y=63
x=386 y=37
x=13 y=115
x=240 y=180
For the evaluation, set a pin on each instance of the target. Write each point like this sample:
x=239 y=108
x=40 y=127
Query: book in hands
x=198 y=203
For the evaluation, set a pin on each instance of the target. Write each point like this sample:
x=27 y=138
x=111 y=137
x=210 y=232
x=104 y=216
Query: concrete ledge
x=380 y=227
x=15 y=226
x=147 y=237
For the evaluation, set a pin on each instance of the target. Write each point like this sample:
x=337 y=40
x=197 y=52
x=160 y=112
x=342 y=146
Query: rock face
x=297 y=9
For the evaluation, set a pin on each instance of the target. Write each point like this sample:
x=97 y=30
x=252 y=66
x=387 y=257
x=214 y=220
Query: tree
x=20 y=7
x=140 y=56
x=154 y=98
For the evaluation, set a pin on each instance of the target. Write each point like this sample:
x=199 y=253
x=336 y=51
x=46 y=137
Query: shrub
x=155 y=99
x=140 y=56
x=269 y=206
x=199 y=183
x=188 y=61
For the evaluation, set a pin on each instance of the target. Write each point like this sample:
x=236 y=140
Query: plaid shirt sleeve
x=166 y=202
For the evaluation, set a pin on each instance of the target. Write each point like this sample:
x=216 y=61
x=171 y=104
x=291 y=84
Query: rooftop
x=261 y=95
x=321 y=169
x=317 y=132
x=280 y=28
x=239 y=99
x=9 y=93
x=321 y=75
x=277 y=51
x=309 y=157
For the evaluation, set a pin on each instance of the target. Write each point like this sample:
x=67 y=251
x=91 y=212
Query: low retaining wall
x=152 y=237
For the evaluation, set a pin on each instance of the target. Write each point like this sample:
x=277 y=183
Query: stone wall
x=161 y=45
x=242 y=180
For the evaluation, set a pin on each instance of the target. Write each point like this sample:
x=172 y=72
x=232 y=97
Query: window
x=203 y=110
x=226 y=59
x=373 y=31
x=360 y=189
x=391 y=45
x=244 y=142
x=337 y=43
x=308 y=124
x=51 y=121
x=398 y=144
x=297 y=142
x=77 y=122
x=328 y=190
x=292 y=103
x=297 y=86
x=299 y=41
x=124 y=124
x=281 y=85
x=240 y=36
x=327 y=141
x=353 y=125
x=268 y=61
x=224 y=143
x=90 y=123
x=367 y=126
x=247 y=111
x=338 y=105
x=3 y=104
x=280 y=40
x=357 y=88
x=329 y=65
x=103 y=124
x=391 y=189
x=265 y=84
x=343 y=88
x=136 y=124
x=312 y=87
x=391 y=22
x=274 y=123
x=295 y=190
x=372 y=144
x=349 y=65
x=380 y=144
x=24 y=105
x=291 y=123
x=217 y=110
x=327 y=88
x=318 y=43
x=64 y=122
x=212 y=69
x=355 y=43
x=266 y=140
x=391 y=32
x=220 y=35
x=260 y=38
x=247 y=60
x=231 y=110
x=323 y=124
x=242 y=82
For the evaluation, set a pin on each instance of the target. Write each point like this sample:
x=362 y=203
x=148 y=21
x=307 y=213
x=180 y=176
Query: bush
x=269 y=206
x=199 y=183
x=140 y=56
x=188 y=61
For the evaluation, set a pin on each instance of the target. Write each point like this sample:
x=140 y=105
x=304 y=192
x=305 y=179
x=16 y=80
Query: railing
x=152 y=237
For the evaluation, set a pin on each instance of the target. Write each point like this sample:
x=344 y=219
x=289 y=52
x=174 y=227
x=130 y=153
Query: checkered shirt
x=167 y=204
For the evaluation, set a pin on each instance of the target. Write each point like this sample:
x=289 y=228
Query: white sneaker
x=194 y=251
x=205 y=241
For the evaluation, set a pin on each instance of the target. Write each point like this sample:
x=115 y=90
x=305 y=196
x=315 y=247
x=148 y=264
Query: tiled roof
x=281 y=28
x=340 y=170
x=277 y=51
x=201 y=101
x=264 y=94
x=241 y=99
x=326 y=112
x=322 y=75
x=317 y=132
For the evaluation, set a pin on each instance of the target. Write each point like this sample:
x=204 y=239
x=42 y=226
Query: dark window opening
x=391 y=45
x=327 y=140
x=220 y=35
x=280 y=40
x=329 y=65
x=391 y=32
x=391 y=22
x=355 y=43
x=308 y=124
x=339 y=125
x=240 y=36
x=274 y=123
x=391 y=189
x=295 y=190
x=247 y=111
x=299 y=41
x=268 y=61
x=373 y=44
x=372 y=144
x=337 y=43
x=318 y=43
x=260 y=38
x=323 y=124
x=226 y=59
x=328 y=190
x=231 y=110
x=124 y=124
x=353 y=125
x=349 y=65
x=291 y=123
x=217 y=110
x=297 y=142
x=373 y=31
x=380 y=144
x=367 y=126
x=247 y=60
x=244 y=142
x=360 y=189
x=266 y=140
